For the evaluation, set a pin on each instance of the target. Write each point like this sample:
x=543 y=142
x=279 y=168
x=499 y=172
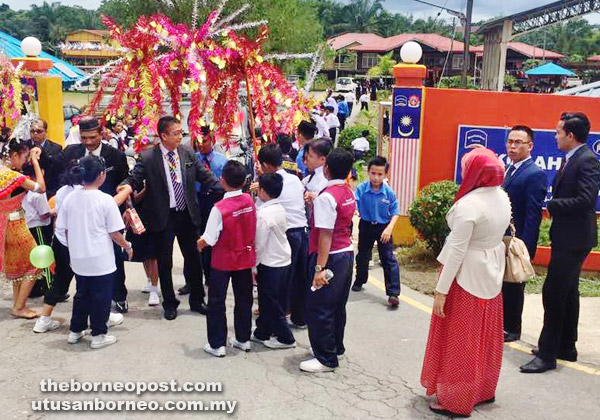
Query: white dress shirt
x=332 y=121
x=325 y=212
x=292 y=200
x=361 y=144
x=272 y=246
x=322 y=130
x=474 y=253
x=333 y=103
x=571 y=152
x=164 y=151
x=315 y=182
x=214 y=224
x=350 y=97
x=95 y=152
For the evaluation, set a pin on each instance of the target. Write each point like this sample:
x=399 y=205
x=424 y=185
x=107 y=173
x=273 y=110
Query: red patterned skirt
x=464 y=351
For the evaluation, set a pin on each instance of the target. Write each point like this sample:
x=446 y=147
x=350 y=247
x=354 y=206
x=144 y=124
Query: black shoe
x=64 y=298
x=447 y=413
x=185 y=290
x=201 y=308
x=356 y=287
x=510 y=337
x=170 y=314
x=538 y=365
x=122 y=307
x=569 y=356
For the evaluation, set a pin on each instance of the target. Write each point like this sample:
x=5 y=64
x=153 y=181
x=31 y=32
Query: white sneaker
x=153 y=299
x=147 y=288
x=297 y=326
x=245 y=346
x=220 y=352
x=312 y=353
x=44 y=324
x=314 y=366
x=74 y=337
x=102 y=340
x=274 y=343
x=257 y=340
x=254 y=292
x=114 y=319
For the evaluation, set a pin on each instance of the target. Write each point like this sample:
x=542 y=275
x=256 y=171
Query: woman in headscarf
x=464 y=349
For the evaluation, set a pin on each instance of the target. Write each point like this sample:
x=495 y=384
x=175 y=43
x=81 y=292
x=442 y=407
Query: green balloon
x=41 y=256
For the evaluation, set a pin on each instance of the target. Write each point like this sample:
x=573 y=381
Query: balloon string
x=47 y=269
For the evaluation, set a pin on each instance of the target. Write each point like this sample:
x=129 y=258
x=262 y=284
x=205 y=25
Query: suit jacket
x=527 y=189
x=150 y=171
x=52 y=163
x=116 y=164
x=573 y=204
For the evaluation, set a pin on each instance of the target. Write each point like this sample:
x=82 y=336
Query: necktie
x=509 y=173
x=177 y=186
x=562 y=165
x=207 y=163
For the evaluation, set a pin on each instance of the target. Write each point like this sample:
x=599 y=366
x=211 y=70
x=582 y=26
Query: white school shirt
x=364 y=98
x=332 y=121
x=333 y=103
x=292 y=200
x=214 y=224
x=325 y=212
x=361 y=144
x=272 y=246
x=322 y=129
x=315 y=182
x=164 y=151
x=350 y=97
x=87 y=217
x=35 y=206
x=59 y=198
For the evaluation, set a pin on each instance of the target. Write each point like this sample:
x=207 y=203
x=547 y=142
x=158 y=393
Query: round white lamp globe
x=411 y=52
x=31 y=46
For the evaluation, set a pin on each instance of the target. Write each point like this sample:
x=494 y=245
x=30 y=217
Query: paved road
x=378 y=379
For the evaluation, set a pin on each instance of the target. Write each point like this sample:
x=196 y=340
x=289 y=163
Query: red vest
x=342 y=230
x=235 y=248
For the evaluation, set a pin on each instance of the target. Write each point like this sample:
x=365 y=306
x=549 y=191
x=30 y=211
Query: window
x=457 y=61
x=369 y=60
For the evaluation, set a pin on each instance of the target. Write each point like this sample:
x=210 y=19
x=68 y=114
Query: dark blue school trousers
x=216 y=319
x=271 y=320
x=297 y=283
x=326 y=309
x=92 y=301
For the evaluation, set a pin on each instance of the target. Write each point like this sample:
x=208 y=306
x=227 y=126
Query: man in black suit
x=573 y=234
x=526 y=186
x=116 y=172
x=170 y=171
x=51 y=160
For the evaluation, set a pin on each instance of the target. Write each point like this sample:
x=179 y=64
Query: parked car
x=345 y=84
x=69 y=111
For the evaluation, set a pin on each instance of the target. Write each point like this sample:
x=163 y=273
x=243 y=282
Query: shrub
x=351 y=133
x=428 y=213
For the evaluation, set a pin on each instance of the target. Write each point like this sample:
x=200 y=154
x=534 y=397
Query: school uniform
x=315 y=182
x=87 y=217
x=273 y=259
x=326 y=307
x=35 y=206
x=376 y=208
x=231 y=231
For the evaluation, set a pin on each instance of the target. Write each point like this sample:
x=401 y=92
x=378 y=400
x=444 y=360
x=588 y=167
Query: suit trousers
x=92 y=301
x=216 y=319
x=271 y=320
x=513 y=298
x=368 y=234
x=296 y=286
x=560 y=296
x=119 y=289
x=62 y=274
x=326 y=309
x=179 y=225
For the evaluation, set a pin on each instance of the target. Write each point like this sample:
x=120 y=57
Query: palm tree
x=359 y=16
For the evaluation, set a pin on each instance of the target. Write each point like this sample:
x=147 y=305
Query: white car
x=344 y=84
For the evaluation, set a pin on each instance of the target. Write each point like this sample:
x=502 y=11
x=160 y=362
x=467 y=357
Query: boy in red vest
x=330 y=249
x=230 y=230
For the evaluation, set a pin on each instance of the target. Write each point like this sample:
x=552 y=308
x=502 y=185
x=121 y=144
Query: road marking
x=514 y=345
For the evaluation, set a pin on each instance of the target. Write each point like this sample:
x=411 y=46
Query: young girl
x=16 y=241
x=90 y=220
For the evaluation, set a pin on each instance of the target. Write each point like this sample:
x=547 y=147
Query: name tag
x=385 y=201
x=14 y=216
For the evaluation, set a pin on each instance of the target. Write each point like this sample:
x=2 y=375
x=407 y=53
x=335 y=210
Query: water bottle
x=328 y=277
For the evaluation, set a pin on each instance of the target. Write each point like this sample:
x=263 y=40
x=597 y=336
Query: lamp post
x=48 y=88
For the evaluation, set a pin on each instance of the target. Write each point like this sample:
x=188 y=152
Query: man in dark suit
x=526 y=186
x=170 y=171
x=573 y=234
x=116 y=172
x=51 y=160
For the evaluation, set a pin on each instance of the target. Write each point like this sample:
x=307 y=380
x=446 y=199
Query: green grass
x=544 y=238
x=589 y=286
x=78 y=99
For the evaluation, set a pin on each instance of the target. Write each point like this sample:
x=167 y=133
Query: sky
x=482 y=9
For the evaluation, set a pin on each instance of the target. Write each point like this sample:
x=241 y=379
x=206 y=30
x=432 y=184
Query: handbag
x=518 y=263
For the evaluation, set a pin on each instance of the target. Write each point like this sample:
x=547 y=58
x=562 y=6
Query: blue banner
x=406 y=113
x=545 y=153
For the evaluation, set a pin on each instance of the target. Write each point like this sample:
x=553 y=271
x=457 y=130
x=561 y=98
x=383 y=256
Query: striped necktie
x=177 y=185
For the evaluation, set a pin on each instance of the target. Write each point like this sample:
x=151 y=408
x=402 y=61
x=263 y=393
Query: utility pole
x=466 y=56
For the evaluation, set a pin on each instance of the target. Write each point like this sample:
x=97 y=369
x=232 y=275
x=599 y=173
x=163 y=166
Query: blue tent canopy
x=11 y=47
x=549 y=69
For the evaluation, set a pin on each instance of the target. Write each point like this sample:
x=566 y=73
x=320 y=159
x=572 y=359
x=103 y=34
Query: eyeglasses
x=177 y=133
x=36 y=131
x=517 y=143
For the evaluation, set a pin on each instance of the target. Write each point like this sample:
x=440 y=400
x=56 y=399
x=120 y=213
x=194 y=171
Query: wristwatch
x=318 y=268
